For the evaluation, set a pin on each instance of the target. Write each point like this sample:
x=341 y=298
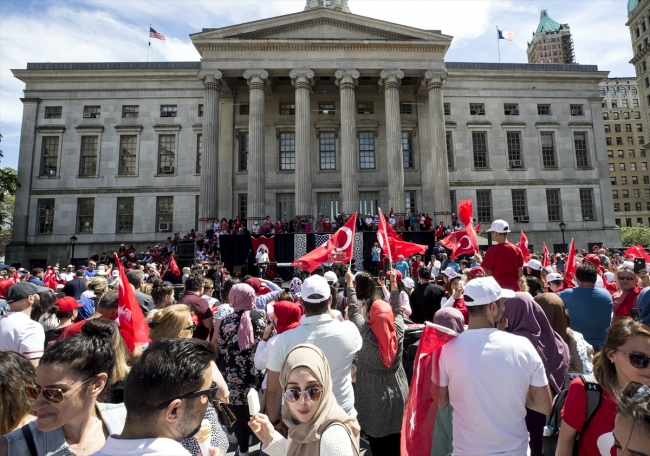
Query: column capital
x=211 y=79
x=433 y=79
x=347 y=78
x=390 y=78
x=302 y=78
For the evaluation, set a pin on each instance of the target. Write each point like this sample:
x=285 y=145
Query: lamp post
x=73 y=242
x=562 y=228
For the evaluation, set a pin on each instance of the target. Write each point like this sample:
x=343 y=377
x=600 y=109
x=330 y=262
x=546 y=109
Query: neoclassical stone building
x=315 y=112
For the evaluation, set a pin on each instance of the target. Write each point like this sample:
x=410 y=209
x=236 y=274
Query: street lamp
x=562 y=228
x=73 y=242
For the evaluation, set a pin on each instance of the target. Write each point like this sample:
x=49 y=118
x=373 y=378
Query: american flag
x=154 y=34
x=321 y=239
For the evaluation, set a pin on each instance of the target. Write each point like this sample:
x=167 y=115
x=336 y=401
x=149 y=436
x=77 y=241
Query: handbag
x=226 y=416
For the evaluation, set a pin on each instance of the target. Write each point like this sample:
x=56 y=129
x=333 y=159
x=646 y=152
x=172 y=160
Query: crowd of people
x=544 y=359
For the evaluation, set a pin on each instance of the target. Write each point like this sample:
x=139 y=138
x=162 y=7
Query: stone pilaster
x=347 y=80
x=437 y=188
x=390 y=79
x=256 y=174
x=208 y=198
x=302 y=79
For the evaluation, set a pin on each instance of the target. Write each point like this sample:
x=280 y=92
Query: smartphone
x=639 y=264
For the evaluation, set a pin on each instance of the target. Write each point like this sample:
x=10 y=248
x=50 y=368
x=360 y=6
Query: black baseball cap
x=22 y=290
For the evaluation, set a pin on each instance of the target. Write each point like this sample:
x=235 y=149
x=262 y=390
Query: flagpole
x=148 y=43
x=498 y=44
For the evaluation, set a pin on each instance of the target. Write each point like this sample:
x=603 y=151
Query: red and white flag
x=465 y=211
x=267 y=243
x=570 y=266
x=173 y=267
x=132 y=324
x=382 y=236
x=439 y=231
x=523 y=246
x=462 y=242
x=637 y=251
x=547 y=256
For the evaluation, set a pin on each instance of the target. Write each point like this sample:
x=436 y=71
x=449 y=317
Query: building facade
x=551 y=43
x=320 y=111
x=638 y=21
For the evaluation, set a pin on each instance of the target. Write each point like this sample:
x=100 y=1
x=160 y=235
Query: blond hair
x=170 y=322
x=98 y=286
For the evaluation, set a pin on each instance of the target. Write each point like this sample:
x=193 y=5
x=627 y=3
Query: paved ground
x=254 y=450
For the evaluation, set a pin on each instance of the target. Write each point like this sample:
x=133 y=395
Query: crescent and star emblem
x=460 y=243
x=348 y=240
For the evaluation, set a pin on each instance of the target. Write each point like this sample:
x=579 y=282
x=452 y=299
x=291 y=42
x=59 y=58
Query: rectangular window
x=623 y=180
x=243 y=151
x=641 y=141
x=630 y=141
x=587 y=204
x=287 y=109
x=410 y=201
x=130 y=111
x=639 y=127
x=244 y=109
x=633 y=166
x=200 y=110
x=88 y=164
x=615 y=194
x=242 y=206
x=607 y=129
x=544 y=109
x=617 y=128
x=511 y=109
x=285 y=204
x=53 y=112
x=128 y=148
x=614 y=104
x=287 y=151
x=514 y=149
x=614 y=116
x=548 y=150
x=452 y=198
x=603 y=104
x=635 y=102
x=484 y=205
x=626 y=115
x=582 y=153
x=366 y=150
x=610 y=154
x=608 y=141
x=326 y=108
x=605 y=116
x=199 y=152
x=642 y=153
x=368 y=202
x=405 y=108
x=167 y=110
x=92 y=112
x=646 y=180
x=45 y=216
x=612 y=180
x=85 y=215
x=644 y=166
x=450 y=149
x=365 y=107
x=611 y=167
x=327 y=148
x=479 y=147
x=621 y=154
x=328 y=204
x=553 y=206
x=166 y=154
x=625 y=103
x=447 y=108
x=164 y=212
x=49 y=155
x=407 y=149
x=619 y=141
x=621 y=166
x=635 y=180
x=637 y=193
x=617 y=207
x=628 y=128
x=626 y=193
x=477 y=109
x=125 y=215
x=519 y=206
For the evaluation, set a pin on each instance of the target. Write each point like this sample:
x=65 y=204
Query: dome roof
x=631 y=4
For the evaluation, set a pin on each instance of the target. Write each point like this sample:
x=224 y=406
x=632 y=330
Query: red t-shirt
x=72 y=330
x=597 y=439
x=504 y=260
x=415 y=266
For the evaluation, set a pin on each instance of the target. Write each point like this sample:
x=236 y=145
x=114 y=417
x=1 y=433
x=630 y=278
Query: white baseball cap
x=610 y=277
x=553 y=277
x=315 y=284
x=408 y=282
x=330 y=276
x=485 y=290
x=449 y=272
x=500 y=226
x=115 y=273
x=535 y=264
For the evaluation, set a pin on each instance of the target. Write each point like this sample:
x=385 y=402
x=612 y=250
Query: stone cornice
x=523 y=183
x=89 y=128
x=323 y=45
x=160 y=128
x=367 y=125
x=50 y=129
x=128 y=128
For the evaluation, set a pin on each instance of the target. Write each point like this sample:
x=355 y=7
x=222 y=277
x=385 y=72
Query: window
x=576 y=110
x=130 y=111
x=128 y=146
x=407 y=149
x=167 y=110
x=610 y=154
x=622 y=90
x=45 y=216
x=633 y=166
x=623 y=180
x=53 y=112
x=626 y=193
x=287 y=108
x=243 y=151
x=631 y=153
x=608 y=141
x=450 y=149
x=479 y=147
x=452 y=198
x=635 y=180
x=630 y=141
x=166 y=154
x=484 y=205
x=612 y=90
x=639 y=127
x=405 y=108
x=328 y=204
x=642 y=153
x=611 y=167
x=626 y=206
x=201 y=110
x=92 y=112
x=607 y=129
x=49 y=155
x=625 y=103
x=368 y=202
x=85 y=215
x=621 y=166
x=543 y=109
x=605 y=116
x=602 y=94
x=635 y=102
x=644 y=166
x=366 y=150
x=637 y=193
x=619 y=141
x=88 y=164
x=640 y=139
x=626 y=115
x=287 y=151
x=617 y=128
x=587 y=204
x=327 y=144
x=614 y=116
x=326 y=108
x=548 y=150
x=286 y=206
x=519 y=207
x=646 y=180
x=633 y=89
x=511 y=109
x=447 y=107
x=617 y=207
x=125 y=215
x=582 y=154
x=243 y=109
x=365 y=107
x=617 y=222
x=242 y=206
x=553 y=205
x=514 y=149
x=477 y=109
x=164 y=210
x=615 y=194
x=621 y=154
x=612 y=180
x=410 y=201
x=199 y=152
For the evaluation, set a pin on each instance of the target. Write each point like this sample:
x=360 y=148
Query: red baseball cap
x=593 y=259
x=67 y=304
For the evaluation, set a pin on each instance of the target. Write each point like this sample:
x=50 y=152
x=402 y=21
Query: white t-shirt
x=67 y=276
x=434 y=268
x=115 y=446
x=21 y=334
x=262 y=257
x=488 y=373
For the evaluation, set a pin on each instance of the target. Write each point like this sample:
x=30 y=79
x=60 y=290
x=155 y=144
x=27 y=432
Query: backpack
x=554 y=420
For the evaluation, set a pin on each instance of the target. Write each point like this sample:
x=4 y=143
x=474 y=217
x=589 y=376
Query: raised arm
x=353 y=309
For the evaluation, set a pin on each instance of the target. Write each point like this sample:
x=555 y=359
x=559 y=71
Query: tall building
x=314 y=112
x=628 y=163
x=551 y=43
x=638 y=21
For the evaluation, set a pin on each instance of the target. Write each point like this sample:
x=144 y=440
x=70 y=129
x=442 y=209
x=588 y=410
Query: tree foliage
x=633 y=235
x=8 y=185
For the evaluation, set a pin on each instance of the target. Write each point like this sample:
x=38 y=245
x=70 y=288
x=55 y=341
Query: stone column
x=256 y=175
x=438 y=188
x=208 y=202
x=390 y=79
x=302 y=79
x=346 y=80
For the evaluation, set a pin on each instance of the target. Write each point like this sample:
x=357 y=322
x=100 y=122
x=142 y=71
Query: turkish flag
x=422 y=402
x=462 y=242
x=382 y=235
x=477 y=229
x=173 y=267
x=523 y=246
x=132 y=324
x=49 y=279
x=546 y=261
x=398 y=247
x=637 y=251
x=570 y=266
x=338 y=249
x=439 y=231
x=465 y=211
x=269 y=244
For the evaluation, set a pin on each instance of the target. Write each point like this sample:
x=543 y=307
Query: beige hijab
x=305 y=437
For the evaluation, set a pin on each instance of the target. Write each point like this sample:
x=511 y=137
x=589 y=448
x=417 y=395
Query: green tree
x=6 y=213
x=633 y=235
x=8 y=185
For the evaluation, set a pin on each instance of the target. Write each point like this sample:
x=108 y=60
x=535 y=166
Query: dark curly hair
x=16 y=372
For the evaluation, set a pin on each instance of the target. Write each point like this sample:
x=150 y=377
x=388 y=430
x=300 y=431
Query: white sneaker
x=231 y=437
x=239 y=453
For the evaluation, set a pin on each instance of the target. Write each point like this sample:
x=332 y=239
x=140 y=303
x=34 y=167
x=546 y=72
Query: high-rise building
x=551 y=43
x=638 y=21
x=628 y=163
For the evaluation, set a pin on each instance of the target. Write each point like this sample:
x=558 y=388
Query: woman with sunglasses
x=626 y=297
x=632 y=427
x=71 y=375
x=624 y=357
x=317 y=424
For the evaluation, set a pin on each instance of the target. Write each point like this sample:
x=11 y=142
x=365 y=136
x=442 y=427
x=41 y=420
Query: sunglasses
x=637 y=360
x=293 y=395
x=626 y=278
x=53 y=395
x=191 y=327
x=636 y=390
x=211 y=393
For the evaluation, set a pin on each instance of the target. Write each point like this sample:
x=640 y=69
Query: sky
x=117 y=31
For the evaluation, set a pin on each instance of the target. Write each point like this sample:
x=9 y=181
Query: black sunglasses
x=211 y=393
x=635 y=390
x=191 y=327
x=637 y=360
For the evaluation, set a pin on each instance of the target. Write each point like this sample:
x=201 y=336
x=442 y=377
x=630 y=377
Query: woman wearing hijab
x=239 y=334
x=382 y=388
x=527 y=319
x=317 y=425
x=295 y=287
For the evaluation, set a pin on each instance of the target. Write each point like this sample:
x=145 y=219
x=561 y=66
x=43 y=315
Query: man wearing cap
x=18 y=332
x=489 y=377
x=503 y=261
x=554 y=282
x=426 y=298
x=340 y=341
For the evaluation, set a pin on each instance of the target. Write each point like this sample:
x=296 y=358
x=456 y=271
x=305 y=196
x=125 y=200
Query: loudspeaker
x=185 y=248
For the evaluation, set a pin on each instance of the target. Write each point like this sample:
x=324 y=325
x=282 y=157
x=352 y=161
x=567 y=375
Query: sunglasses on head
x=210 y=392
x=53 y=395
x=637 y=360
x=636 y=390
x=191 y=327
x=293 y=395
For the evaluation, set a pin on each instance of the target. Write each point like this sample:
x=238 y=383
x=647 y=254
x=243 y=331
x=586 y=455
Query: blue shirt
x=403 y=267
x=83 y=313
x=591 y=312
x=376 y=251
x=453 y=265
x=89 y=273
x=36 y=281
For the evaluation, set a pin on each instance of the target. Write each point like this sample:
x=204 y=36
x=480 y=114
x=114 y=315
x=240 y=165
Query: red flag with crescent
x=570 y=266
x=269 y=244
x=338 y=249
x=637 y=251
x=382 y=236
x=173 y=267
x=547 y=256
x=462 y=242
x=439 y=230
x=465 y=211
x=132 y=324
x=523 y=246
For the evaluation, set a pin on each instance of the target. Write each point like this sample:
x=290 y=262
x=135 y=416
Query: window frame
x=128 y=111
x=371 y=153
x=243 y=151
x=46 y=161
x=408 y=154
x=45 y=221
x=170 y=110
x=511 y=109
x=553 y=150
x=367 y=104
x=581 y=154
x=586 y=208
x=287 y=157
x=477 y=151
x=164 y=214
x=161 y=160
x=124 y=217
x=544 y=109
x=484 y=213
x=327 y=150
x=86 y=155
x=122 y=156
x=519 y=203
x=477 y=109
x=53 y=112
x=88 y=215
x=287 y=108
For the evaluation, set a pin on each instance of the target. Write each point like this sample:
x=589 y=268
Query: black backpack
x=554 y=420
